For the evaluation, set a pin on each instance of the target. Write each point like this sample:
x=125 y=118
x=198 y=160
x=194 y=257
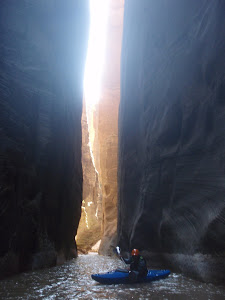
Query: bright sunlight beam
x=96 y=50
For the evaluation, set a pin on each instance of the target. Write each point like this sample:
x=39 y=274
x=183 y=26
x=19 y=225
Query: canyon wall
x=102 y=121
x=89 y=231
x=42 y=55
x=108 y=108
x=171 y=128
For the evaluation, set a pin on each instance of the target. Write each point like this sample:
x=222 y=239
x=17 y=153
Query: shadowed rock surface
x=171 y=129
x=42 y=52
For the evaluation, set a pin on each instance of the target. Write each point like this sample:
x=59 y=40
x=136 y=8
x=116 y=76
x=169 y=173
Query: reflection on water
x=73 y=281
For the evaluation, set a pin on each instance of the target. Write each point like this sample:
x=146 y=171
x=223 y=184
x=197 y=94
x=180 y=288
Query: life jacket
x=140 y=266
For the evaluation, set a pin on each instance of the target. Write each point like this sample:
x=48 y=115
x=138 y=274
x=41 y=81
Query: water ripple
x=72 y=280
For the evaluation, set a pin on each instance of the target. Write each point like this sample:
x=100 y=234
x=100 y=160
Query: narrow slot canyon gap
x=156 y=135
x=100 y=138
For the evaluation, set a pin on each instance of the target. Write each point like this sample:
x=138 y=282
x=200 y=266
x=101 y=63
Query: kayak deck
x=122 y=276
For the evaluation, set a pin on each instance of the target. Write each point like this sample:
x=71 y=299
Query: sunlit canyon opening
x=98 y=224
x=170 y=174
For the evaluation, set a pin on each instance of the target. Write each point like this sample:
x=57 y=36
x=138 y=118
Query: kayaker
x=138 y=266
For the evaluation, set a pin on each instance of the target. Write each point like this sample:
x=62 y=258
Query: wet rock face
x=171 y=127
x=43 y=48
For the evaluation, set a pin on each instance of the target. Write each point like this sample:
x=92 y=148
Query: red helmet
x=135 y=252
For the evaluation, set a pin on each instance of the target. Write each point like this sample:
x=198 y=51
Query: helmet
x=135 y=252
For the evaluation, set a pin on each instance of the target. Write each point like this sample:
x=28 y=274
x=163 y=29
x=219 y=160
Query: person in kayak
x=138 y=266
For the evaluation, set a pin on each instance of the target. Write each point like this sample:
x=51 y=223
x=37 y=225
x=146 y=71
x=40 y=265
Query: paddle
x=120 y=256
x=118 y=250
x=122 y=270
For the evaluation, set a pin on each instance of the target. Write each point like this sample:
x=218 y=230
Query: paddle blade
x=118 y=250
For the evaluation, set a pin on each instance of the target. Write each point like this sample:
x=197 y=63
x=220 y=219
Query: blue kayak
x=122 y=276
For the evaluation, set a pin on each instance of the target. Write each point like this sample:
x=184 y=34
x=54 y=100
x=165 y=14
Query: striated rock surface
x=171 y=130
x=42 y=53
x=108 y=107
x=89 y=231
x=102 y=119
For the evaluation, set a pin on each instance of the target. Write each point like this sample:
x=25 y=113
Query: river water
x=72 y=280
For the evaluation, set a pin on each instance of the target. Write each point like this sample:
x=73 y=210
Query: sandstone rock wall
x=171 y=127
x=108 y=107
x=102 y=119
x=89 y=230
x=42 y=52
